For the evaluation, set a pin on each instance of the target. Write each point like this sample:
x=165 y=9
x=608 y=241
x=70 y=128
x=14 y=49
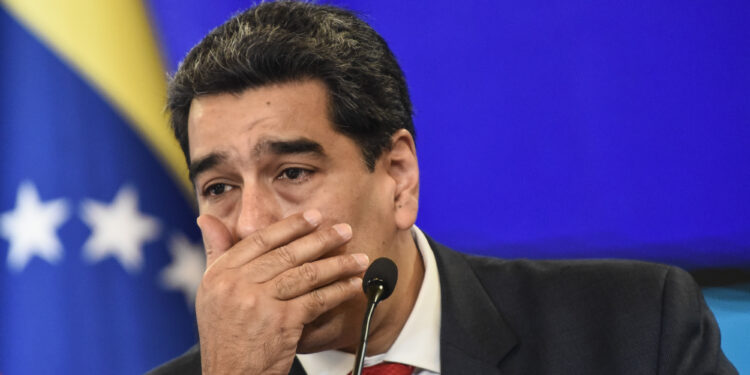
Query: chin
x=338 y=329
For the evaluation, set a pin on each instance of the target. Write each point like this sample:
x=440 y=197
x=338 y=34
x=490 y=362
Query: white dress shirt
x=418 y=343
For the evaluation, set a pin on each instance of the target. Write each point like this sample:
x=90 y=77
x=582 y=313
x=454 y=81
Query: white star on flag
x=187 y=267
x=118 y=229
x=31 y=228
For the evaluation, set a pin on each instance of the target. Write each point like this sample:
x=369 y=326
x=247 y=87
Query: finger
x=311 y=305
x=298 y=252
x=216 y=237
x=277 y=234
x=303 y=279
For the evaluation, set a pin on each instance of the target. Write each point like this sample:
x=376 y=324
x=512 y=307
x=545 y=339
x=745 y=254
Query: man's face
x=271 y=152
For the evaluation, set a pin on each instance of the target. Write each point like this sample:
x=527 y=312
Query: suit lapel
x=474 y=337
x=297 y=368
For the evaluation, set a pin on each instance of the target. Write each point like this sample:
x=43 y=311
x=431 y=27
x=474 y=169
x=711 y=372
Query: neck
x=391 y=314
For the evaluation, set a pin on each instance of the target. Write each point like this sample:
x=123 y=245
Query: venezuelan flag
x=99 y=254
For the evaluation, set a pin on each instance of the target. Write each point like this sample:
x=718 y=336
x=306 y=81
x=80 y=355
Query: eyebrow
x=276 y=147
x=205 y=163
x=294 y=146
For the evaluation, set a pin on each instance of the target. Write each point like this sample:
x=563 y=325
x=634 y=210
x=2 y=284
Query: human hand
x=257 y=295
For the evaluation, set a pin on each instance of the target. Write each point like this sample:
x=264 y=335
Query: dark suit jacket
x=562 y=317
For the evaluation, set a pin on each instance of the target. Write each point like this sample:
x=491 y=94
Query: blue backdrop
x=566 y=129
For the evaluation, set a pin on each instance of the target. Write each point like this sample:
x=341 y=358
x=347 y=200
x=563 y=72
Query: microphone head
x=382 y=271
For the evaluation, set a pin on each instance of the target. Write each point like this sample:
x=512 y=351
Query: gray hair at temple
x=279 y=42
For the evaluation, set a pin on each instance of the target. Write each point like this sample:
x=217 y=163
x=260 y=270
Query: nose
x=258 y=209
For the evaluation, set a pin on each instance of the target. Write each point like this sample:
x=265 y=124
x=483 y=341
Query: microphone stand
x=375 y=290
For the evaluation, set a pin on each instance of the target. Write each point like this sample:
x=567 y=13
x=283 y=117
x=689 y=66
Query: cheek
x=361 y=200
x=296 y=195
x=350 y=203
x=372 y=220
x=221 y=207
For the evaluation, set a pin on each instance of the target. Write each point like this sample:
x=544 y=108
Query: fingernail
x=344 y=230
x=362 y=259
x=312 y=216
x=356 y=281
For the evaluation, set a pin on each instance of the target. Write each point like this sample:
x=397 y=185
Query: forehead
x=230 y=121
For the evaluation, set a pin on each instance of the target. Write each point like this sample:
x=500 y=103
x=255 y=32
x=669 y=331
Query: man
x=296 y=123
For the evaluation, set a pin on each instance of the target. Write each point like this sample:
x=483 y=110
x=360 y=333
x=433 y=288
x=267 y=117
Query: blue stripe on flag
x=87 y=312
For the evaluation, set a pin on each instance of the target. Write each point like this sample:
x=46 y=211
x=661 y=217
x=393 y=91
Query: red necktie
x=388 y=368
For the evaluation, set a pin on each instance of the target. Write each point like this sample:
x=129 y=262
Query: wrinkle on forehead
x=221 y=121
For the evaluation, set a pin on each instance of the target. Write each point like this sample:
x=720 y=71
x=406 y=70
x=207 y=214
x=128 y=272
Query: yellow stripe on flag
x=112 y=45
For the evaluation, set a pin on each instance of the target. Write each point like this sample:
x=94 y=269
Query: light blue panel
x=731 y=306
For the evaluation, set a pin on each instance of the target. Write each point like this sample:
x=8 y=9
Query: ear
x=401 y=165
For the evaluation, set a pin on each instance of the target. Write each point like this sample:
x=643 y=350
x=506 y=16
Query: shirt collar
x=418 y=343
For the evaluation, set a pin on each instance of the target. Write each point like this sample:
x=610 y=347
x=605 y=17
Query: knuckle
x=345 y=262
x=286 y=256
x=316 y=301
x=216 y=290
x=309 y=273
x=342 y=288
x=283 y=286
x=249 y=302
x=219 y=285
x=322 y=237
x=258 y=239
x=264 y=262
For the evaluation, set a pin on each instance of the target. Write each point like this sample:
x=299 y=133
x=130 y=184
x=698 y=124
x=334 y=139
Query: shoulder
x=586 y=274
x=614 y=282
x=600 y=286
x=574 y=294
x=188 y=363
x=655 y=308
x=592 y=314
x=525 y=278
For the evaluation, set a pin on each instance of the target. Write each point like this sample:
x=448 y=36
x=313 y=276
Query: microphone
x=378 y=284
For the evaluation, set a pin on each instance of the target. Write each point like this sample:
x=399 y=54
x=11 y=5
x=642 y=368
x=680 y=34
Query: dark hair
x=286 y=41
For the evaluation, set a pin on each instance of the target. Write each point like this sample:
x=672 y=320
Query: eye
x=217 y=189
x=295 y=175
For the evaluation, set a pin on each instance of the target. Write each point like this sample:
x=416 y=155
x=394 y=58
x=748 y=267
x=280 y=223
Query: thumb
x=216 y=237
